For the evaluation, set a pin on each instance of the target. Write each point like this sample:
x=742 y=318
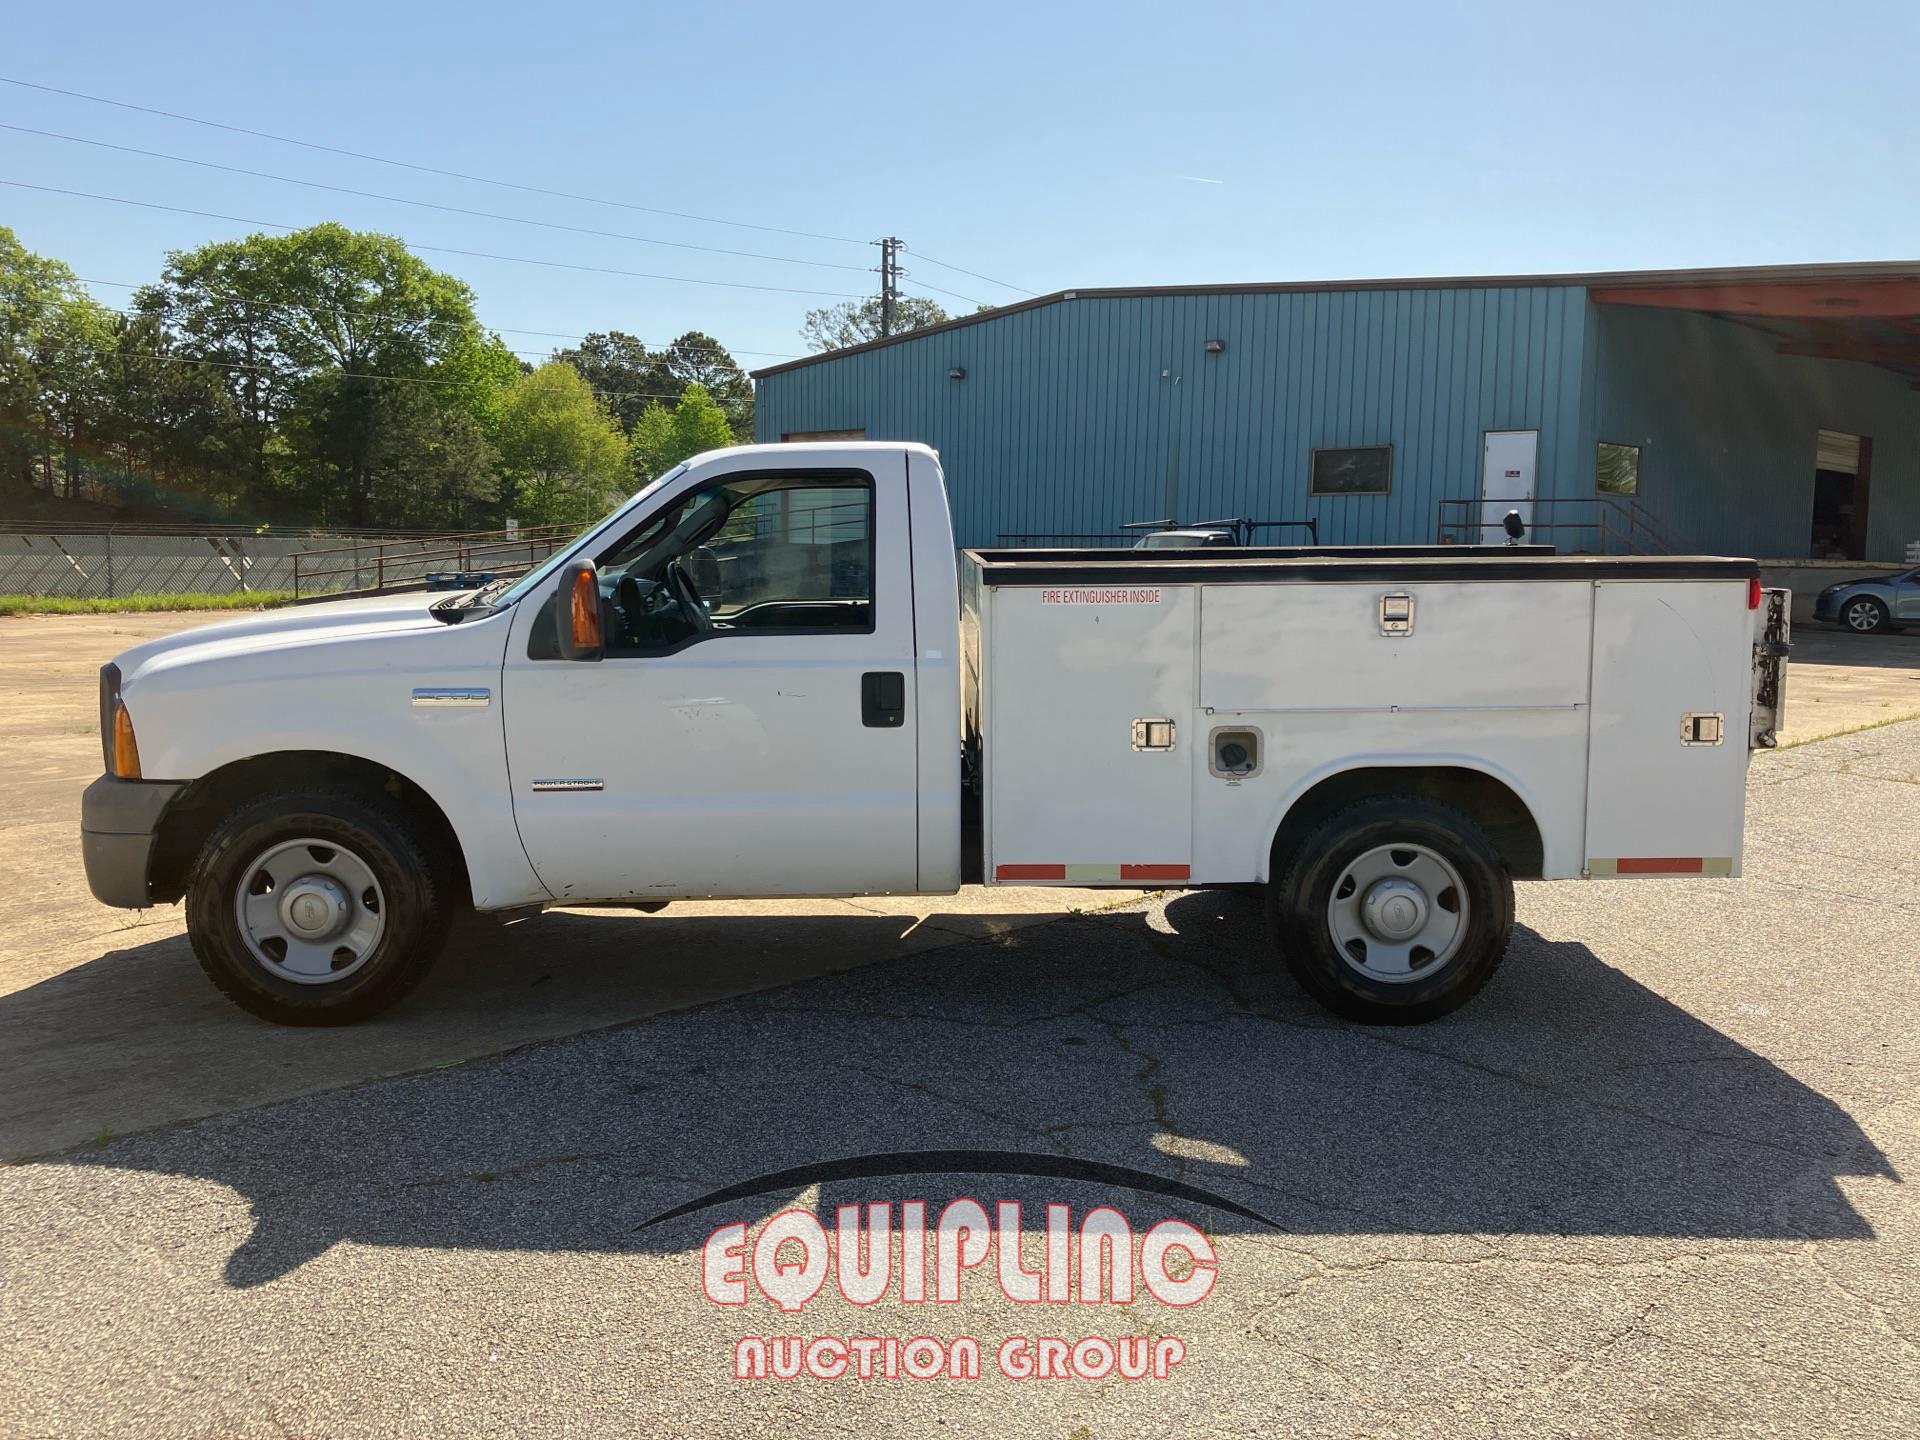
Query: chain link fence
x=97 y=563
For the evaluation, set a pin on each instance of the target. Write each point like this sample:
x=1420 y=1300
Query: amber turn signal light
x=585 y=610
x=126 y=750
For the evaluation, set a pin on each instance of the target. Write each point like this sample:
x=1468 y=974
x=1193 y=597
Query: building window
x=1616 y=469
x=1357 y=470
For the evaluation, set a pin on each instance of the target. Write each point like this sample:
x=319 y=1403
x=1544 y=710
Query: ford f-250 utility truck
x=762 y=677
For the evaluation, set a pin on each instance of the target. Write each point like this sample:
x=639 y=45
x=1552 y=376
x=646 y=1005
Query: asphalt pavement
x=1651 y=1182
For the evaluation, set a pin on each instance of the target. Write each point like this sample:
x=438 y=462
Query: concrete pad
x=108 y=1026
x=1839 y=681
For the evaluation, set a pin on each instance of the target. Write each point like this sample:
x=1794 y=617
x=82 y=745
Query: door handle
x=883 y=699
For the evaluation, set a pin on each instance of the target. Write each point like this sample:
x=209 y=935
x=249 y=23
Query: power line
x=347 y=374
x=425 y=204
x=891 y=274
x=423 y=169
x=443 y=249
x=953 y=293
x=714 y=349
x=1003 y=284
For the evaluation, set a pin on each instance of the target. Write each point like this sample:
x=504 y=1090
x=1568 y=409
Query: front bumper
x=1826 y=606
x=118 y=821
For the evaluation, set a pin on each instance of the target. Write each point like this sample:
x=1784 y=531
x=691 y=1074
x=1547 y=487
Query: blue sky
x=1046 y=145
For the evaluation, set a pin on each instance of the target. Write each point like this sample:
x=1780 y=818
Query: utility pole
x=890 y=249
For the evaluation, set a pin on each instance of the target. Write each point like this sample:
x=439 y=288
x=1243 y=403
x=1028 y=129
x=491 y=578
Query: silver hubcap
x=1862 y=616
x=1398 y=913
x=310 y=911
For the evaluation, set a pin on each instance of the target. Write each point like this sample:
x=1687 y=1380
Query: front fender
x=353 y=695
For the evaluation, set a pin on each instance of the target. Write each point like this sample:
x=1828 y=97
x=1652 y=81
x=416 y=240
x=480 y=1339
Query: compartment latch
x=1396 y=613
x=1701 y=727
x=1153 y=734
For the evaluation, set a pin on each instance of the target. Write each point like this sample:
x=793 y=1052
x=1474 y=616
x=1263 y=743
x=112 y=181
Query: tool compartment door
x=1671 y=666
x=1075 y=797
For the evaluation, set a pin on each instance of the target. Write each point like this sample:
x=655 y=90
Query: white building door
x=1507 y=464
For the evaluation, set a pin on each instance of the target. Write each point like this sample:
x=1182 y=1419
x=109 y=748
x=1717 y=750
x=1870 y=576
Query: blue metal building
x=1763 y=411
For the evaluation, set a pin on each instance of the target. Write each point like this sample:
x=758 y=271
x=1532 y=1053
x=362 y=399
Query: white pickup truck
x=762 y=676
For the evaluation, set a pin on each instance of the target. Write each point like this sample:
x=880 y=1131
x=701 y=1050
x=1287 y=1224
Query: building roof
x=1844 y=291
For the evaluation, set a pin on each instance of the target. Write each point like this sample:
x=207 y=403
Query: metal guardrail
x=1615 y=524
x=389 y=564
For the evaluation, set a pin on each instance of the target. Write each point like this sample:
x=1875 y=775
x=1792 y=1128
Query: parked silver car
x=1877 y=602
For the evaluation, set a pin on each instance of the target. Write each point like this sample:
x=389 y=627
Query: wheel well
x=1491 y=803
x=190 y=819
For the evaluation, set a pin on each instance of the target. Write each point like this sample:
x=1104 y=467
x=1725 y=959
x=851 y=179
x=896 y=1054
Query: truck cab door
x=751 y=729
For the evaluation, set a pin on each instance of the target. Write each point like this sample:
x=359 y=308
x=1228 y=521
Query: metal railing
x=1132 y=532
x=1603 y=524
x=377 y=565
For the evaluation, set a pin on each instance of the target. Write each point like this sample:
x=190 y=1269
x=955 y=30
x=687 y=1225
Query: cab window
x=747 y=554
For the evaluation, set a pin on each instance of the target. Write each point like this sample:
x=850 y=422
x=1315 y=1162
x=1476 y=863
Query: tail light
x=1753 y=593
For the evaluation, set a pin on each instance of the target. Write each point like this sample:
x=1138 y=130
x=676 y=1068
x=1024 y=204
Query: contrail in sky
x=1202 y=180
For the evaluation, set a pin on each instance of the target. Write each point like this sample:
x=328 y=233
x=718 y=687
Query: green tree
x=169 y=424
x=72 y=400
x=624 y=372
x=310 y=328
x=630 y=377
x=853 y=322
x=563 y=455
x=47 y=326
x=699 y=359
x=433 y=464
x=662 y=438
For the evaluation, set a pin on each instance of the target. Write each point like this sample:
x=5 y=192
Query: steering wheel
x=688 y=597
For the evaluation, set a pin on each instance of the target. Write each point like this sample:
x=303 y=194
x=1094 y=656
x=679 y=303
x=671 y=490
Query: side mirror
x=1514 y=525
x=704 y=566
x=577 y=611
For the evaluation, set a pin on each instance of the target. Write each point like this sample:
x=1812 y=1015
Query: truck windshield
x=492 y=598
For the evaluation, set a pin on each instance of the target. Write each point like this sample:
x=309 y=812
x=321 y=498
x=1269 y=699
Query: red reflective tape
x=1650 y=865
x=1029 y=872
x=1155 y=872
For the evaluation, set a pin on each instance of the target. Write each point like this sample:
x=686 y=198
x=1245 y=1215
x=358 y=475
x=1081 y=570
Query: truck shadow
x=1566 y=1100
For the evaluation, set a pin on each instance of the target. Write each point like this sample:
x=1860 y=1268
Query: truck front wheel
x=317 y=909
x=1394 y=911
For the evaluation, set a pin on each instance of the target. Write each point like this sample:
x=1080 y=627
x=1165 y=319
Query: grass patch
x=139 y=604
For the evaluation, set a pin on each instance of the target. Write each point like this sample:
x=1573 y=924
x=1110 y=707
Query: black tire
x=415 y=887
x=1298 y=905
x=1874 y=616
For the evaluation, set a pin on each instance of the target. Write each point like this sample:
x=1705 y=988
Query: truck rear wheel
x=317 y=909
x=1394 y=911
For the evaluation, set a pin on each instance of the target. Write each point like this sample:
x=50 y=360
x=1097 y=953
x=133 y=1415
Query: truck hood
x=327 y=623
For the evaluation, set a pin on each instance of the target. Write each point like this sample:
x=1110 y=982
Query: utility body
x=769 y=673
